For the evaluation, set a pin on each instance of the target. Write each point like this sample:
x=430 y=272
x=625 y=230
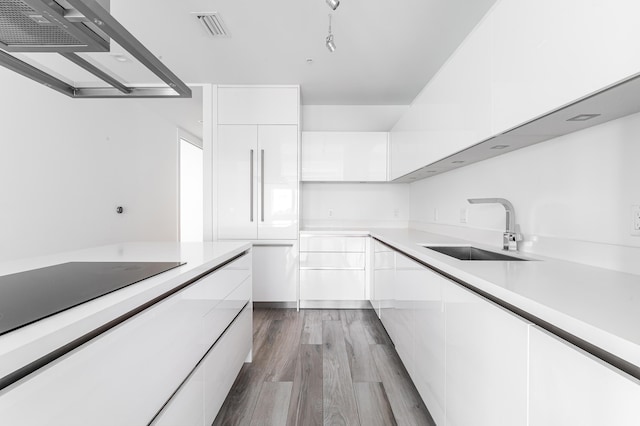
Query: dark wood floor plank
x=330 y=314
x=339 y=404
x=373 y=405
x=363 y=367
x=406 y=404
x=374 y=330
x=305 y=407
x=273 y=403
x=285 y=349
x=312 y=329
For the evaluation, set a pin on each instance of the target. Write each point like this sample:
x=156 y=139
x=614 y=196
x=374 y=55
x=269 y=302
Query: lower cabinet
x=199 y=399
x=332 y=268
x=475 y=363
x=571 y=387
x=275 y=272
x=126 y=375
x=486 y=361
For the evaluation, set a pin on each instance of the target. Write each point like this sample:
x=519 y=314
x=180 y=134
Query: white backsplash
x=354 y=205
x=572 y=197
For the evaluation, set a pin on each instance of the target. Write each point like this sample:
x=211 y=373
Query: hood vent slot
x=213 y=24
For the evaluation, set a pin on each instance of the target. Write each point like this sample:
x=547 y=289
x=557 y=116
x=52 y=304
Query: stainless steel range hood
x=69 y=27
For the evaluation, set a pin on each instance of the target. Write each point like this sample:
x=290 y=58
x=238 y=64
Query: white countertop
x=30 y=342
x=597 y=305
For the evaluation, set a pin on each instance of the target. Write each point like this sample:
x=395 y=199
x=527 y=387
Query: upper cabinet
x=258 y=105
x=521 y=62
x=344 y=156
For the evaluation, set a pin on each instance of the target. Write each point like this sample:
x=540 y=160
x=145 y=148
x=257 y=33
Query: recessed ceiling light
x=200 y=121
x=309 y=60
x=500 y=146
x=583 y=117
x=458 y=162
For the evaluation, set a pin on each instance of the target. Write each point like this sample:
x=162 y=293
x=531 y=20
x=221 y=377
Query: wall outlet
x=635 y=220
x=396 y=212
x=435 y=215
x=330 y=213
x=464 y=215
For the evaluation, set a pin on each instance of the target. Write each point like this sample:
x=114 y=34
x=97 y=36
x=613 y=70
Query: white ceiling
x=386 y=50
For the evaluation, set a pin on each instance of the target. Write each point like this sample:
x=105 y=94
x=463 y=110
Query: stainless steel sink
x=471 y=253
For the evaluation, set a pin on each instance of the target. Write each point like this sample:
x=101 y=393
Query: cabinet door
x=486 y=362
x=383 y=276
x=275 y=273
x=570 y=387
x=238 y=182
x=344 y=156
x=278 y=182
x=258 y=105
x=430 y=348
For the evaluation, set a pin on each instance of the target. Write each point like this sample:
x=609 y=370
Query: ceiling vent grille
x=213 y=24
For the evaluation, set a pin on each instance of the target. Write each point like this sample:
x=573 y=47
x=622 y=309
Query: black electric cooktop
x=29 y=296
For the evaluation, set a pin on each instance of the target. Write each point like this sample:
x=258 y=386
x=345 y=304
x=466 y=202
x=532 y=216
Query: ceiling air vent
x=212 y=22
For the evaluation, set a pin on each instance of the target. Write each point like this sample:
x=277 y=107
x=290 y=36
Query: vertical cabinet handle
x=251 y=185
x=262 y=185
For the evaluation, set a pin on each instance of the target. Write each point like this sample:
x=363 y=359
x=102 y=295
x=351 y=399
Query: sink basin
x=471 y=253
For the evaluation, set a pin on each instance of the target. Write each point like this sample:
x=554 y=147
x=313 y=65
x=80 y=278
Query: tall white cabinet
x=256 y=163
x=258 y=197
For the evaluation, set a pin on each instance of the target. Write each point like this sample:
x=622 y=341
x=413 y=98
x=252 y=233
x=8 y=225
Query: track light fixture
x=330 y=43
x=333 y=4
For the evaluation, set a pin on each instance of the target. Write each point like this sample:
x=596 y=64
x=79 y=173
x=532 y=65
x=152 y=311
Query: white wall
x=572 y=196
x=67 y=163
x=359 y=205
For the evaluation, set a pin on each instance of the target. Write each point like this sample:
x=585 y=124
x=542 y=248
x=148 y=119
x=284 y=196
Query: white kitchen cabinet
x=258 y=182
x=429 y=338
x=258 y=105
x=332 y=268
x=571 y=387
x=384 y=265
x=275 y=268
x=127 y=374
x=344 y=156
x=486 y=362
x=546 y=55
x=199 y=399
x=528 y=58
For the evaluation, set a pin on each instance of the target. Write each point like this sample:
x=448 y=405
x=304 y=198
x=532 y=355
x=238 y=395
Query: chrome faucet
x=510 y=237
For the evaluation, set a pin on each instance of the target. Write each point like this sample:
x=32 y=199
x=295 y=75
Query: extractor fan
x=67 y=27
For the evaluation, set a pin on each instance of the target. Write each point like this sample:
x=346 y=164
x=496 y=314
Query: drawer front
x=332 y=284
x=323 y=243
x=150 y=354
x=332 y=260
x=384 y=260
x=199 y=399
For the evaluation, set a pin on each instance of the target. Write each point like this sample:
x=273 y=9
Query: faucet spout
x=510 y=237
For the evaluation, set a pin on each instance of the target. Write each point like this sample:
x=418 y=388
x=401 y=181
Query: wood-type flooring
x=322 y=367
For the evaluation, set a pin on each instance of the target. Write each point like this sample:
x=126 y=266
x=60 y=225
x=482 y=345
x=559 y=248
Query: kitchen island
x=150 y=352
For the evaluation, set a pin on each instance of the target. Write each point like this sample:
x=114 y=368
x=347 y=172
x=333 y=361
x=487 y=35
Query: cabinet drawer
x=328 y=260
x=214 y=376
x=332 y=243
x=332 y=284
